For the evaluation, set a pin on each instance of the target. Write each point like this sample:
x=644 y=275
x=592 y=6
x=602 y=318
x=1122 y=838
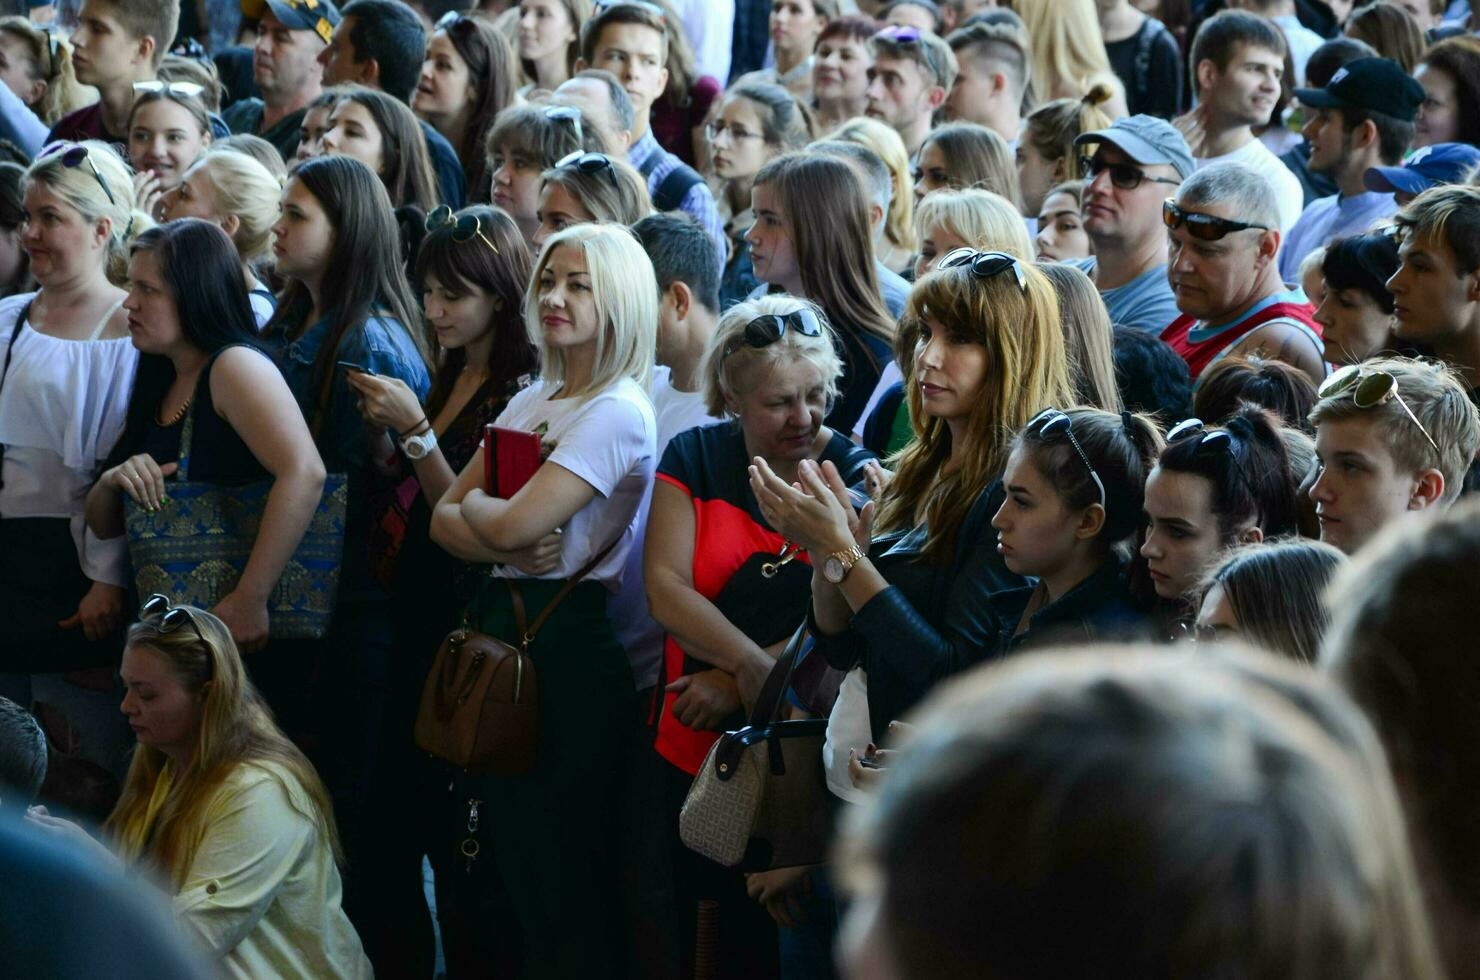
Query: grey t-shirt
x=1145 y=303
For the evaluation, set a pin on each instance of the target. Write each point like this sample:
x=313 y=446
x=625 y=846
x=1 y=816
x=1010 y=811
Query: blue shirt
x=698 y=202
x=1328 y=219
x=1145 y=303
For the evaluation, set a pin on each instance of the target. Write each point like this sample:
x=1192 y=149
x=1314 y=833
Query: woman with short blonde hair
x=970 y=218
x=899 y=229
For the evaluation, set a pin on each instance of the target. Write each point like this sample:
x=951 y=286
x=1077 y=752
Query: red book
x=510 y=458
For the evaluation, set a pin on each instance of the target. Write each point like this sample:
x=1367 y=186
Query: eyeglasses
x=464 y=228
x=185 y=90
x=570 y=114
x=167 y=617
x=1051 y=424
x=652 y=8
x=1122 y=175
x=1203 y=227
x=766 y=330
x=714 y=131
x=588 y=163
x=910 y=37
x=984 y=265
x=1368 y=390
x=75 y=155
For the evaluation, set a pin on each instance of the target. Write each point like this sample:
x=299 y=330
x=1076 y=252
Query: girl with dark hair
x=1356 y=313
x=15 y=265
x=200 y=368
x=961 y=155
x=346 y=302
x=812 y=238
x=379 y=131
x=1272 y=596
x=1213 y=488
x=467 y=79
x=756 y=123
x=1076 y=486
x=1237 y=381
x=1450 y=75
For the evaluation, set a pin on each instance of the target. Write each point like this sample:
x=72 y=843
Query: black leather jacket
x=933 y=620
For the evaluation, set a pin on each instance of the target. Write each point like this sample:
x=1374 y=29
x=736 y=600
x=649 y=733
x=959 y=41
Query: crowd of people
x=1063 y=407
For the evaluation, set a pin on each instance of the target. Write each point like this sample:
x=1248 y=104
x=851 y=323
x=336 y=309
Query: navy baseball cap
x=1429 y=166
x=1375 y=84
x=319 y=16
x=1146 y=140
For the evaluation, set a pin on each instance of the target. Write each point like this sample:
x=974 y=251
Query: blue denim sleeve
x=383 y=346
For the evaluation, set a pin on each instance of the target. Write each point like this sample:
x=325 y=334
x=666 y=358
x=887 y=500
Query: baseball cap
x=1429 y=166
x=319 y=16
x=1375 y=84
x=1146 y=140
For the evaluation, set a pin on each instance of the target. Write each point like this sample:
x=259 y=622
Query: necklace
x=175 y=419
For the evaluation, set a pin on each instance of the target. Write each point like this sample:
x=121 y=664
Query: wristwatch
x=419 y=446
x=840 y=563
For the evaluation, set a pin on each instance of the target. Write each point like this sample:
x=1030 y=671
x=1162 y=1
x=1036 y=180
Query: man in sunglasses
x=1131 y=168
x=285 y=66
x=1394 y=435
x=912 y=72
x=1223 y=231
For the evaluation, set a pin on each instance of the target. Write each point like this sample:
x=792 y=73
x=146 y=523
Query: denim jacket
x=933 y=621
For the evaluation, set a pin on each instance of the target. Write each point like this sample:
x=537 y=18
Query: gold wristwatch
x=840 y=563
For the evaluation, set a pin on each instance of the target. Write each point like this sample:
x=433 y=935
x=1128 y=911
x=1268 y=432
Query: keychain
x=470 y=843
x=788 y=552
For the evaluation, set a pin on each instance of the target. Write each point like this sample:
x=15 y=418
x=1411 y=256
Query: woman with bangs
x=382 y=133
x=841 y=60
x=547 y=837
x=589 y=188
x=812 y=238
x=525 y=142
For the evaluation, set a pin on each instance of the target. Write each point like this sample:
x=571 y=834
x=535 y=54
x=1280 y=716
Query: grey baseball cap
x=1146 y=140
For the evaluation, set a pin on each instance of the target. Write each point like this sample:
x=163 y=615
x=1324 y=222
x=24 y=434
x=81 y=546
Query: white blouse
x=63 y=404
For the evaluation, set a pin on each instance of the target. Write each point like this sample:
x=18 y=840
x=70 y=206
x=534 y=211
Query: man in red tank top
x=1224 y=236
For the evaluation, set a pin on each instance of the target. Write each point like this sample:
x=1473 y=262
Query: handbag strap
x=768 y=704
x=527 y=635
x=15 y=332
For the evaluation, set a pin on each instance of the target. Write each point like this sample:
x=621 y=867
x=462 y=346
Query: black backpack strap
x=675 y=187
x=1144 y=40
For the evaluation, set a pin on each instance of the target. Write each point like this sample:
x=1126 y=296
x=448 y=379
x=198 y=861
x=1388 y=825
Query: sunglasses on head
x=166 y=617
x=588 y=163
x=1217 y=444
x=1050 y=425
x=1368 y=390
x=769 y=328
x=651 y=8
x=909 y=37
x=464 y=227
x=183 y=90
x=75 y=155
x=984 y=265
x=570 y=114
x=1203 y=227
x=1125 y=176
x=450 y=18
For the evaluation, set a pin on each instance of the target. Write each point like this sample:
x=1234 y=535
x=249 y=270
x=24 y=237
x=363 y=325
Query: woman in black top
x=201 y=368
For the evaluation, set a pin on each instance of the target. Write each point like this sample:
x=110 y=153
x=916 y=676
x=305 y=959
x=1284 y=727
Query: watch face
x=833 y=570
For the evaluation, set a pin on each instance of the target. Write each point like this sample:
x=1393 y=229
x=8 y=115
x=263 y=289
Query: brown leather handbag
x=480 y=704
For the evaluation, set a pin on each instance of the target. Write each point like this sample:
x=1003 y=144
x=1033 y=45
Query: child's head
x=1215 y=487
x=1393 y=435
x=1273 y=596
x=1075 y=482
x=168 y=130
x=122 y=40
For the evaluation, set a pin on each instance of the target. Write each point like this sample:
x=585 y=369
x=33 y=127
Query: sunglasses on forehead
x=909 y=37
x=1368 y=390
x=183 y=90
x=464 y=227
x=75 y=155
x=769 y=328
x=1203 y=227
x=984 y=265
x=651 y=8
x=166 y=617
x=1051 y=425
x=1218 y=444
x=569 y=114
x=588 y=163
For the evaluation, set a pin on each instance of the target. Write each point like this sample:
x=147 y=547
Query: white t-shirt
x=676 y=411
x=610 y=441
x=1258 y=158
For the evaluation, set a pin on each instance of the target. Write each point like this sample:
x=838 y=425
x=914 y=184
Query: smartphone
x=352 y=366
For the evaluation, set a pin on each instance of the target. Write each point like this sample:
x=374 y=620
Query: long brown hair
x=406 y=167
x=1027 y=371
x=826 y=209
x=491 y=70
x=236 y=729
x=976 y=157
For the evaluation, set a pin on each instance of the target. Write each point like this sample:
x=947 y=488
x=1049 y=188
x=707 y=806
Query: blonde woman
x=587 y=187
x=971 y=218
x=545 y=836
x=236 y=192
x=898 y=227
x=39 y=72
x=1068 y=51
x=222 y=809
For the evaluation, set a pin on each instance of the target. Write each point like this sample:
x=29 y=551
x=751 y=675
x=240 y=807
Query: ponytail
x=1251 y=482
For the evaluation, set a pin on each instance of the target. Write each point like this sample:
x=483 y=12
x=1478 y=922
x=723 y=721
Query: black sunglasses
x=984 y=265
x=1051 y=424
x=464 y=227
x=909 y=37
x=1122 y=175
x=166 y=617
x=1217 y=444
x=588 y=163
x=769 y=328
x=1203 y=227
x=75 y=155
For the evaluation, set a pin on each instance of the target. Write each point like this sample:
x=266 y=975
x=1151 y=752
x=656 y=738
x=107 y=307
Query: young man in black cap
x=1363 y=118
x=285 y=66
